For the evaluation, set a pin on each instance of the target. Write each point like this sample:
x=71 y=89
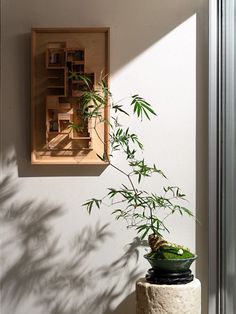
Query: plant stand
x=158 y=276
x=168 y=299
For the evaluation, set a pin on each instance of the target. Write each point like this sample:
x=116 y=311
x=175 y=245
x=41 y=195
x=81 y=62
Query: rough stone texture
x=168 y=299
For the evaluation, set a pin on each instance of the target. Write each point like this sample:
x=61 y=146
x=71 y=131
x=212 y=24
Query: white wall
x=158 y=49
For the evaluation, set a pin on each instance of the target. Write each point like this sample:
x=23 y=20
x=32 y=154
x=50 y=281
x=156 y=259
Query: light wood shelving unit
x=56 y=97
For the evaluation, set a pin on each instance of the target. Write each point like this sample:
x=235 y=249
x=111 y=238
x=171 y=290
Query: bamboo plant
x=130 y=201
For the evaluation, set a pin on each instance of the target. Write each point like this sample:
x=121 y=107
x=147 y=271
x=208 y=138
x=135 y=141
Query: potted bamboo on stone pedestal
x=169 y=283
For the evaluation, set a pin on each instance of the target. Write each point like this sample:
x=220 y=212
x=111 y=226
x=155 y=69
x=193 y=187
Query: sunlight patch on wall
x=157 y=64
x=165 y=75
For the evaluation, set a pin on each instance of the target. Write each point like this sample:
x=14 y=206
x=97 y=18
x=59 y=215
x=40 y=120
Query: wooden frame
x=55 y=96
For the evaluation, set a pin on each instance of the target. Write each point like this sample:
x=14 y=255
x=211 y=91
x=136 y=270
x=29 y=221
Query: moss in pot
x=168 y=257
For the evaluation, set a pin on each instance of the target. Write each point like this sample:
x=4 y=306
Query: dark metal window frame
x=222 y=152
x=214 y=148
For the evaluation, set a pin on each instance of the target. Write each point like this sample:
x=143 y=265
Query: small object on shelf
x=53 y=57
x=53 y=126
x=79 y=55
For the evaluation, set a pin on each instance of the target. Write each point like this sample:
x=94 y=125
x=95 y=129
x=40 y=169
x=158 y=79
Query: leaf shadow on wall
x=56 y=278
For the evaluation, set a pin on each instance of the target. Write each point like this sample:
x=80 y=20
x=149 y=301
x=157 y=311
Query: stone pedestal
x=168 y=299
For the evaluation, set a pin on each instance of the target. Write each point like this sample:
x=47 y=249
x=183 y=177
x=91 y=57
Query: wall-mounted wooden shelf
x=56 y=97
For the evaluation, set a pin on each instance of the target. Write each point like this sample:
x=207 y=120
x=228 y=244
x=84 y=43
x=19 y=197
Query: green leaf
x=187 y=211
x=84 y=79
x=119 y=108
x=103 y=158
x=144 y=234
x=144 y=229
x=90 y=203
x=72 y=75
x=121 y=213
x=105 y=88
x=141 y=107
